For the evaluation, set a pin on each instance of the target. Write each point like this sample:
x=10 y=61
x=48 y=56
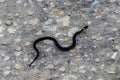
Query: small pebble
x=33 y=64
x=39 y=0
x=17 y=39
x=95 y=4
x=64 y=35
x=18 y=1
x=98 y=38
x=86 y=55
x=62 y=69
x=100 y=78
x=94 y=31
x=25 y=22
x=2 y=53
x=57 y=34
x=18 y=53
x=114 y=29
x=111 y=1
x=77 y=59
x=17 y=14
x=93 y=69
x=8 y=22
x=69 y=60
x=50 y=66
x=114 y=56
x=39 y=32
x=111 y=69
x=82 y=70
x=6 y=73
x=117 y=46
x=65 y=20
x=18 y=66
x=5 y=42
x=48 y=22
x=19 y=48
x=57 y=12
x=1 y=35
x=26 y=59
x=1 y=29
x=81 y=67
x=52 y=4
x=72 y=51
x=89 y=22
x=30 y=12
x=90 y=77
x=6 y=58
x=78 y=39
x=70 y=77
x=34 y=21
x=15 y=24
x=0 y=21
x=50 y=28
x=12 y=30
x=2 y=1
x=102 y=66
x=97 y=60
x=56 y=63
x=27 y=43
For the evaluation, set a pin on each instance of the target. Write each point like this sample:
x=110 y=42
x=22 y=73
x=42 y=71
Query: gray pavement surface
x=95 y=57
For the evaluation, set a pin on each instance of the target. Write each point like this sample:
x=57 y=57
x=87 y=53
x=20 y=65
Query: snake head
x=86 y=27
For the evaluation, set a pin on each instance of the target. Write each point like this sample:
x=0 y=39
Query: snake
x=56 y=43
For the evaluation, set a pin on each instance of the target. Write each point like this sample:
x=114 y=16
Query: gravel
x=95 y=57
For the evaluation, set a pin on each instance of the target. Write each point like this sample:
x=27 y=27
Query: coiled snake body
x=56 y=43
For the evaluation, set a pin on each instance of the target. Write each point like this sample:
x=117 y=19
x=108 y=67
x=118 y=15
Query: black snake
x=56 y=43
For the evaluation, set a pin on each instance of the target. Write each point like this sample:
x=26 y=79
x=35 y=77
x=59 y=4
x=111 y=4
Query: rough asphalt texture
x=96 y=56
